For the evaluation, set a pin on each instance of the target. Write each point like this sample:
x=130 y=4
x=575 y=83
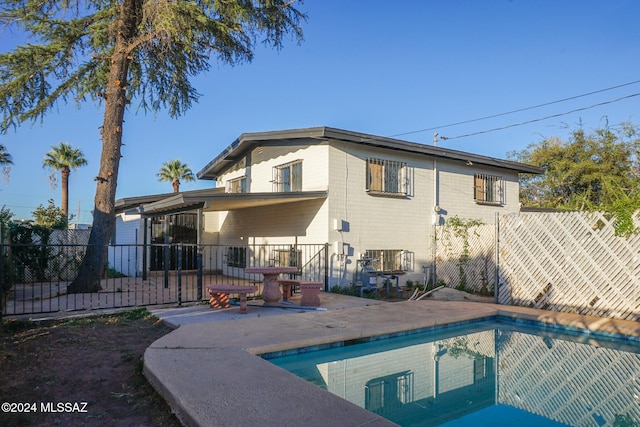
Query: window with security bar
x=488 y=189
x=386 y=177
x=238 y=185
x=288 y=177
x=388 y=259
x=288 y=258
x=236 y=256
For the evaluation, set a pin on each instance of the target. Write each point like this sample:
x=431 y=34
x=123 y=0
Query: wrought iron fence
x=34 y=278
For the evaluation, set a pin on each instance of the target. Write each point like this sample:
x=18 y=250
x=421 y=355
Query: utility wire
x=541 y=118
x=526 y=109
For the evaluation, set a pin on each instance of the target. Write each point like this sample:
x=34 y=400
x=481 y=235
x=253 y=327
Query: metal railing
x=34 y=278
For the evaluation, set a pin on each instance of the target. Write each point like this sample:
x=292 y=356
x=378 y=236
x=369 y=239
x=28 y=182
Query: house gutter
x=435 y=215
x=247 y=140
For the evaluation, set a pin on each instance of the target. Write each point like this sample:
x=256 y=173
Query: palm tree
x=5 y=158
x=174 y=171
x=63 y=158
x=5 y=161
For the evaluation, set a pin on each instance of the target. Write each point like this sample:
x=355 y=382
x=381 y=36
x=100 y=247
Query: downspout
x=199 y=255
x=435 y=214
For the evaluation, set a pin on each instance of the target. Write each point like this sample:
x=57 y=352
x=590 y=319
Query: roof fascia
x=439 y=152
x=247 y=140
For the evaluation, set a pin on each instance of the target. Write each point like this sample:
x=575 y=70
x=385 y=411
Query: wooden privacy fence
x=465 y=260
x=564 y=261
x=570 y=262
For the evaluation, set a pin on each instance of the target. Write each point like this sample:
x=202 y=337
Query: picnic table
x=271 y=290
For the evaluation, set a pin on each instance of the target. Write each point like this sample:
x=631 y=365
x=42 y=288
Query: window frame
x=386 y=177
x=287 y=177
x=241 y=181
x=396 y=259
x=236 y=256
x=488 y=189
x=282 y=258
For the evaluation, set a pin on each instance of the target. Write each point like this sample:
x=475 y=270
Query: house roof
x=215 y=199
x=246 y=141
x=127 y=203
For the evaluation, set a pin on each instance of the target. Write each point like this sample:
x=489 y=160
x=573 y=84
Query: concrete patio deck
x=208 y=371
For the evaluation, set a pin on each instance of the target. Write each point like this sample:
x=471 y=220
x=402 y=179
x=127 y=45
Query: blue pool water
x=495 y=372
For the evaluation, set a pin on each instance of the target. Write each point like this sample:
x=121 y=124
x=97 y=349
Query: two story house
x=365 y=196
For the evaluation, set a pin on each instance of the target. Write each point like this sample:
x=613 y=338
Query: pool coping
x=210 y=373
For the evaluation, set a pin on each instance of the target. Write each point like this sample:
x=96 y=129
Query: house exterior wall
x=455 y=196
x=124 y=258
x=278 y=223
x=378 y=222
x=364 y=221
x=257 y=165
x=209 y=233
x=374 y=222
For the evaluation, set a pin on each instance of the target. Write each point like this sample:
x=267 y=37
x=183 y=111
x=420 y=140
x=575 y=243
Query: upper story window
x=488 y=189
x=386 y=177
x=288 y=177
x=237 y=185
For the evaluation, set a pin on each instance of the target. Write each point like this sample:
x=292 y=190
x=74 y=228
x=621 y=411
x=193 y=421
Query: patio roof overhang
x=221 y=201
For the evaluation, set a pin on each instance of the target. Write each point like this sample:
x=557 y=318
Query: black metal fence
x=34 y=277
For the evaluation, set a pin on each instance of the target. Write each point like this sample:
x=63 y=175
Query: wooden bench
x=219 y=295
x=310 y=291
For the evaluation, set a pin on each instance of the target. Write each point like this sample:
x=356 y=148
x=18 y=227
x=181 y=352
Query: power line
x=541 y=118
x=525 y=109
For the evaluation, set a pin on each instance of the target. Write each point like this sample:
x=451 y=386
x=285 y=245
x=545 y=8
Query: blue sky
x=372 y=66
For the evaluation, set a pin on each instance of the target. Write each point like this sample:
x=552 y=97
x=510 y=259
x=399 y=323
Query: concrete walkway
x=208 y=371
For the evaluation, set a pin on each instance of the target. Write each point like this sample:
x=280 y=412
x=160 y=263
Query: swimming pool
x=494 y=372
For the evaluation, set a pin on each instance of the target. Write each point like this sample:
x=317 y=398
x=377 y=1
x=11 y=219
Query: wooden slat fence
x=569 y=262
x=565 y=261
x=466 y=262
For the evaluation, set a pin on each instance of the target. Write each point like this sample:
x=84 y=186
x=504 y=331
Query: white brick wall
x=374 y=222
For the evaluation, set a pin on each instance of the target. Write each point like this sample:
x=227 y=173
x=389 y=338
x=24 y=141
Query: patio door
x=171 y=229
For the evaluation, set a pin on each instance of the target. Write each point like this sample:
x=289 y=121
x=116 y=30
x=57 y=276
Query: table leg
x=286 y=291
x=271 y=290
x=243 y=302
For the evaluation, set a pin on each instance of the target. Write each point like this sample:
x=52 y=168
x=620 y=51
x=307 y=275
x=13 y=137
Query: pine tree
x=117 y=52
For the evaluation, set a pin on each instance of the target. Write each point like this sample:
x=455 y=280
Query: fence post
x=179 y=262
x=166 y=263
x=146 y=250
x=199 y=277
x=496 y=279
x=326 y=267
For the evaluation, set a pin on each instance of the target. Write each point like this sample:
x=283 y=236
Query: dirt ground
x=80 y=372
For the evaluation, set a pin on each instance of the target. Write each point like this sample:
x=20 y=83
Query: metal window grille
x=237 y=256
x=386 y=176
x=288 y=177
x=387 y=259
x=288 y=258
x=488 y=189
